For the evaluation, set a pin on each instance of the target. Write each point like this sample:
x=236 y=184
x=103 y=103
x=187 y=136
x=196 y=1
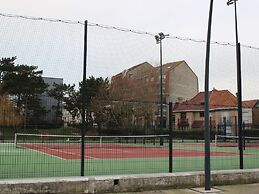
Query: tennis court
x=61 y=156
x=114 y=151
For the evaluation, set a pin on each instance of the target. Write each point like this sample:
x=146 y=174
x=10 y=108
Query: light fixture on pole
x=159 y=37
x=239 y=88
x=230 y=2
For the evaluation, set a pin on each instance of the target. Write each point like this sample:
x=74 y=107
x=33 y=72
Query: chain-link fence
x=127 y=80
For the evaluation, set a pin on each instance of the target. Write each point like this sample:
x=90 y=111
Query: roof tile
x=217 y=99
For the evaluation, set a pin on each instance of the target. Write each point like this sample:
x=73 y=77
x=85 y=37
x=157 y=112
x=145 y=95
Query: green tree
x=101 y=107
x=6 y=66
x=72 y=103
x=24 y=83
x=93 y=86
x=73 y=99
x=100 y=104
x=62 y=92
x=8 y=113
x=110 y=112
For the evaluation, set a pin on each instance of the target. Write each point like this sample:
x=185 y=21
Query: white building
x=49 y=102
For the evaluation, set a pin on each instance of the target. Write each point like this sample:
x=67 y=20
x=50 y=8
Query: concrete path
x=230 y=189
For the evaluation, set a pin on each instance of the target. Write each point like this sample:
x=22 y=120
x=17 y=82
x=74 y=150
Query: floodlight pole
x=159 y=39
x=206 y=111
x=239 y=89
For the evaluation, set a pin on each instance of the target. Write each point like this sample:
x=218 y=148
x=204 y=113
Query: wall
x=47 y=101
x=247 y=115
x=183 y=83
x=256 y=117
x=126 y=183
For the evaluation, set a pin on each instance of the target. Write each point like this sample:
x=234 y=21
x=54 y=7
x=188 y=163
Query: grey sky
x=185 y=18
x=178 y=17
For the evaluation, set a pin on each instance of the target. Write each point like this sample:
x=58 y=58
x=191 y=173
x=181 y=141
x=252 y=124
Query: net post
x=170 y=137
x=101 y=141
x=15 y=139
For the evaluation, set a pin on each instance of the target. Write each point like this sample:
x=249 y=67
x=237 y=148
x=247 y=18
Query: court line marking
x=71 y=153
x=44 y=153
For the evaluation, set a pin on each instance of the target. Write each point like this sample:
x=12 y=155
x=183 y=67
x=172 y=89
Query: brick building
x=141 y=83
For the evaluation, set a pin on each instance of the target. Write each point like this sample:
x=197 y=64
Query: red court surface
x=247 y=145
x=111 y=152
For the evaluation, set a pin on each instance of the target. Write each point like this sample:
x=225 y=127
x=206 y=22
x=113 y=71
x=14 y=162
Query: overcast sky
x=177 y=17
x=185 y=18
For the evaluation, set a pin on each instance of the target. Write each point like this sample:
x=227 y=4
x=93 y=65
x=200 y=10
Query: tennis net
x=232 y=141
x=34 y=141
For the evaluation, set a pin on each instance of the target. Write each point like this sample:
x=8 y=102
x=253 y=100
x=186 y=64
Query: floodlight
x=230 y=2
x=157 y=39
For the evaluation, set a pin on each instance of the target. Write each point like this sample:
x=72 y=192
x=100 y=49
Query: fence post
x=170 y=137
x=210 y=128
x=244 y=135
x=236 y=126
x=83 y=126
x=206 y=108
x=239 y=99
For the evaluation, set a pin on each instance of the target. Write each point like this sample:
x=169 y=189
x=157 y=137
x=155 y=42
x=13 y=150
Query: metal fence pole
x=170 y=137
x=236 y=131
x=239 y=98
x=161 y=95
x=206 y=111
x=83 y=126
x=239 y=88
x=244 y=135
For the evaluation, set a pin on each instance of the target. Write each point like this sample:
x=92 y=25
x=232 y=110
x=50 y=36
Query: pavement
x=229 y=189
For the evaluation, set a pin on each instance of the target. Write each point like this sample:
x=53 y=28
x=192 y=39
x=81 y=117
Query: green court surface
x=27 y=163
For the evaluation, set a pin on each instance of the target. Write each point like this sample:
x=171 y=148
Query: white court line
x=42 y=152
x=125 y=151
x=38 y=151
x=120 y=150
x=71 y=153
x=31 y=149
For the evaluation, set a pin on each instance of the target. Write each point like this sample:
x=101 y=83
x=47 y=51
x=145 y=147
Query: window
x=183 y=115
x=202 y=114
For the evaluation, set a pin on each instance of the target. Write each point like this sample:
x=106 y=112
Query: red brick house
x=141 y=83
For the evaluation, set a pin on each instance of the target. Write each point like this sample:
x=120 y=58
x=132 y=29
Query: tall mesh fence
x=41 y=87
